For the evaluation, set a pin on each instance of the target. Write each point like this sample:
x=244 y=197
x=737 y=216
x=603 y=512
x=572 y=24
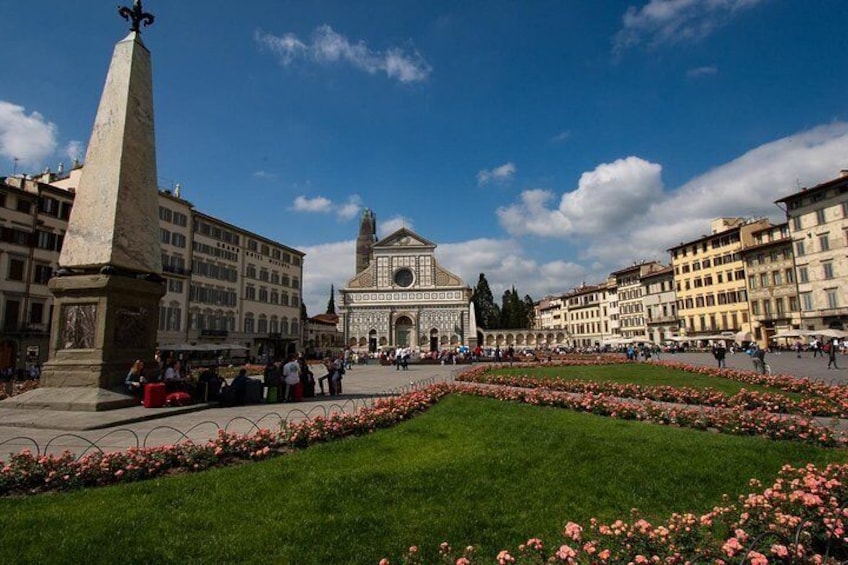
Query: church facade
x=401 y=296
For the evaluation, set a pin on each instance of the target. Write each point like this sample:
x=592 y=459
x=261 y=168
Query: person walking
x=831 y=354
x=291 y=376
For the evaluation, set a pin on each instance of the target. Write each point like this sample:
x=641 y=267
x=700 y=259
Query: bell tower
x=366 y=240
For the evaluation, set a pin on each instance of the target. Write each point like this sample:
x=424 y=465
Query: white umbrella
x=744 y=336
x=830 y=333
x=790 y=334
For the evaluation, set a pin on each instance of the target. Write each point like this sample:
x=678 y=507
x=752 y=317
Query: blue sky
x=542 y=143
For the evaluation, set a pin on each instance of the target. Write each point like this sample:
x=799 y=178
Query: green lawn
x=470 y=470
x=644 y=374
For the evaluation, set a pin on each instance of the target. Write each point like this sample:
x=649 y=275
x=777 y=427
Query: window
x=796 y=223
x=767 y=307
x=845 y=209
x=820 y=219
x=778 y=278
x=24 y=206
x=752 y=282
x=764 y=282
x=790 y=276
x=778 y=306
x=42 y=274
x=793 y=303
x=16 y=269
x=250 y=292
x=799 y=249
x=178 y=240
x=164 y=236
x=824 y=244
x=36 y=313
x=807 y=301
x=832 y=295
x=755 y=307
x=251 y=271
x=828 y=270
x=248 y=324
x=803 y=275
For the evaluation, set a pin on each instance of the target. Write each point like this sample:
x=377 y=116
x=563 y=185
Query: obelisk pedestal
x=107 y=293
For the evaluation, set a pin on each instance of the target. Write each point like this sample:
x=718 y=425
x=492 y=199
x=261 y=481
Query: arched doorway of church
x=434 y=339
x=372 y=341
x=403 y=331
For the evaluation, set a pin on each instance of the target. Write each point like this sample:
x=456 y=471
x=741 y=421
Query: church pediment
x=404 y=238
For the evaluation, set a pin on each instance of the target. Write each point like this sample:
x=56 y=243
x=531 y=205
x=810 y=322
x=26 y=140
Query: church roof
x=406 y=238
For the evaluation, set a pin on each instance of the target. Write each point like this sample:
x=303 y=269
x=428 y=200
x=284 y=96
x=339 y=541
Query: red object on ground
x=155 y=395
x=297 y=392
x=178 y=399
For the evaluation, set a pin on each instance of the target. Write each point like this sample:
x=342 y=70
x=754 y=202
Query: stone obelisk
x=109 y=281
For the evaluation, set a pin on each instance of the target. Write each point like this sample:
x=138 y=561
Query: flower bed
x=800 y=519
x=811 y=407
x=735 y=420
x=26 y=473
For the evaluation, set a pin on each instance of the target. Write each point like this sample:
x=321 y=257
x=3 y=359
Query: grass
x=644 y=374
x=470 y=470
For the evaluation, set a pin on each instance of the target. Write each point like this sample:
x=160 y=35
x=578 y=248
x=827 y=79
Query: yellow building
x=710 y=280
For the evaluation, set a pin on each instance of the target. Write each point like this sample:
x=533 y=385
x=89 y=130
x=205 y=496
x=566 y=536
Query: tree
x=513 y=314
x=331 y=305
x=487 y=312
x=529 y=311
x=303 y=314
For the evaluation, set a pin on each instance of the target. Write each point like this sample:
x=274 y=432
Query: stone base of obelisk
x=101 y=325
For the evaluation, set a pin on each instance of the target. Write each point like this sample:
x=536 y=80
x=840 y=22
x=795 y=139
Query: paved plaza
x=54 y=431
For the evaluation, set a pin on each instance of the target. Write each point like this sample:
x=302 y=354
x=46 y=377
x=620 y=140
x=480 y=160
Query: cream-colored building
x=772 y=291
x=550 y=313
x=631 y=307
x=224 y=284
x=585 y=320
x=710 y=280
x=818 y=226
x=660 y=305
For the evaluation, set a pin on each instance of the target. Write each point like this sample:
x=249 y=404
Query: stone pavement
x=48 y=431
x=785 y=362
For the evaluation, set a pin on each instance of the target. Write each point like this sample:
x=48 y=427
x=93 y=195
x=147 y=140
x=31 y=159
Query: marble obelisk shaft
x=107 y=295
x=114 y=219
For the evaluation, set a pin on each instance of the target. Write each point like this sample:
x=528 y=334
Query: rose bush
x=800 y=519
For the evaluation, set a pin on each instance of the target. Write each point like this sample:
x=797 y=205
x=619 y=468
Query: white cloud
x=318 y=204
x=349 y=209
x=28 y=138
x=265 y=175
x=326 y=264
x=698 y=72
x=662 y=22
x=746 y=186
x=498 y=174
x=328 y=46
x=75 y=150
x=561 y=136
x=391 y=225
x=322 y=205
x=609 y=197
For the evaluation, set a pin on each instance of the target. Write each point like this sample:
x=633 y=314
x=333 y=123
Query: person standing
x=135 y=379
x=831 y=354
x=291 y=376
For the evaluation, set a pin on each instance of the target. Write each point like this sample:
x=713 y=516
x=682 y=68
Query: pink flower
x=573 y=531
x=566 y=553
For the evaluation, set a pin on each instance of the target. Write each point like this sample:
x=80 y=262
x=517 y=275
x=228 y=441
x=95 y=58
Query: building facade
x=772 y=292
x=585 y=320
x=710 y=281
x=404 y=298
x=660 y=305
x=631 y=307
x=818 y=227
x=224 y=284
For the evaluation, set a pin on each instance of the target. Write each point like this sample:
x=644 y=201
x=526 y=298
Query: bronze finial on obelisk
x=136 y=14
x=109 y=284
